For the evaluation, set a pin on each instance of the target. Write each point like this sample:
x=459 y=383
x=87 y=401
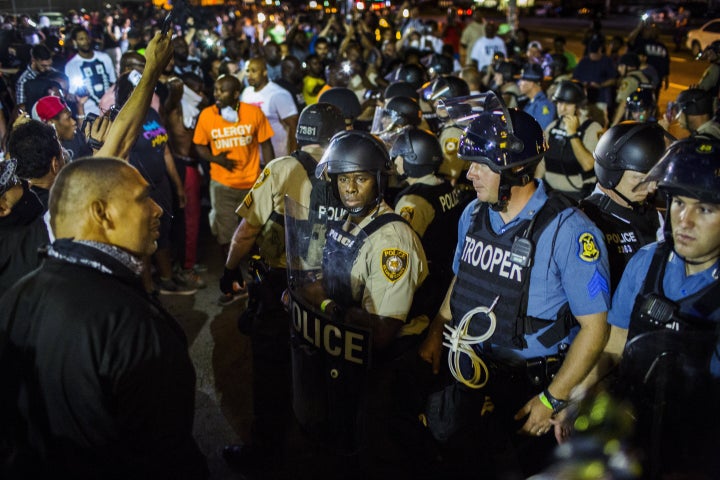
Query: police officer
x=265 y=319
x=694 y=113
x=619 y=205
x=344 y=99
x=431 y=206
x=529 y=270
x=372 y=266
x=504 y=82
x=443 y=87
x=641 y=106
x=631 y=78
x=391 y=120
x=572 y=137
x=665 y=314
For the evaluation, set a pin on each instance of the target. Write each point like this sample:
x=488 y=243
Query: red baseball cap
x=48 y=108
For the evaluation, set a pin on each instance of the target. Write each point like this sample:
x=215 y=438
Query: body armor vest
x=560 y=158
x=625 y=231
x=487 y=269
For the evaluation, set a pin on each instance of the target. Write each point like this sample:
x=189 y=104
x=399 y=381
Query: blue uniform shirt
x=562 y=269
x=676 y=284
x=541 y=109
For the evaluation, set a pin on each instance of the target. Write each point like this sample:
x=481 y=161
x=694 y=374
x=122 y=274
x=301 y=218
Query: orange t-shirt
x=241 y=140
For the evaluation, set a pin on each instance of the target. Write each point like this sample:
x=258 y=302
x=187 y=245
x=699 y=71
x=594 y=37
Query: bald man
x=276 y=103
x=109 y=389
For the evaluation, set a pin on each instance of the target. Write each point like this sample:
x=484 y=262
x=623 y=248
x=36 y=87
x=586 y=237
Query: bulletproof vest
x=560 y=158
x=322 y=199
x=488 y=268
x=438 y=242
x=341 y=250
x=653 y=311
x=625 y=231
x=643 y=82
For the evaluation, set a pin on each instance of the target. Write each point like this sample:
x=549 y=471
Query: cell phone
x=167 y=22
x=82 y=91
x=89 y=119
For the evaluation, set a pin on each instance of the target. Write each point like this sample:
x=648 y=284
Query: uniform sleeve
x=262 y=199
x=417 y=211
x=395 y=264
x=629 y=287
x=463 y=226
x=582 y=265
x=592 y=136
x=627 y=86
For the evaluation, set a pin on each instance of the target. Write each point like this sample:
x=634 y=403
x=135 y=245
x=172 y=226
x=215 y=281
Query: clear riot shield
x=667 y=376
x=462 y=110
x=330 y=359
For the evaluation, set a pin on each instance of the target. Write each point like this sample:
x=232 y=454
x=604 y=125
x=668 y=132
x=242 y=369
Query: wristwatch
x=556 y=404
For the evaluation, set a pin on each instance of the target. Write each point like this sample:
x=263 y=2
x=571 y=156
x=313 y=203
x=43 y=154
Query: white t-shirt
x=484 y=49
x=277 y=104
x=96 y=74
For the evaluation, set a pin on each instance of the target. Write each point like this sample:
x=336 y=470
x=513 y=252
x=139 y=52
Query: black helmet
x=344 y=99
x=403 y=89
x=695 y=101
x=641 y=100
x=569 y=91
x=633 y=146
x=438 y=64
x=318 y=123
x=510 y=142
x=691 y=168
x=421 y=152
x=445 y=87
x=411 y=73
x=404 y=110
x=356 y=151
x=508 y=70
x=714 y=47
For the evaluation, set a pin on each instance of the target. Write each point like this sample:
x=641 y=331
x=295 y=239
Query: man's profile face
x=695 y=228
x=136 y=216
x=65 y=125
x=485 y=182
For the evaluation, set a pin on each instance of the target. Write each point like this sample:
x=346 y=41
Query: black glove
x=226 y=281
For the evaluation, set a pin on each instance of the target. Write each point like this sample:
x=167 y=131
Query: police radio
x=658 y=310
x=521 y=252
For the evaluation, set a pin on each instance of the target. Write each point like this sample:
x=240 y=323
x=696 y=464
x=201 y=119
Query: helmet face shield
x=690 y=167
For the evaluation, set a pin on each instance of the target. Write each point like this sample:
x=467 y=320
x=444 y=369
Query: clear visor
x=462 y=110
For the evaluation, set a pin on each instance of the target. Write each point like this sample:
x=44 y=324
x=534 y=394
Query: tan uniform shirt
x=452 y=167
x=282 y=176
x=628 y=85
x=389 y=267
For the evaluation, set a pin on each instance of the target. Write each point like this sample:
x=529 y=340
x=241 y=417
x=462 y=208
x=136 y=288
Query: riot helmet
x=401 y=89
x=569 y=91
x=420 y=150
x=711 y=52
x=344 y=99
x=691 y=168
x=438 y=64
x=558 y=64
x=399 y=112
x=318 y=123
x=410 y=73
x=695 y=101
x=445 y=87
x=641 y=105
x=510 y=142
x=356 y=151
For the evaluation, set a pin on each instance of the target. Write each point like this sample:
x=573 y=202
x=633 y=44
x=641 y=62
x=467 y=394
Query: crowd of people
x=451 y=237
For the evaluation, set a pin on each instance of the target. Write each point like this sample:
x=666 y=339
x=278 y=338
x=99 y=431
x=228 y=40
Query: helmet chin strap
x=503 y=195
x=639 y=208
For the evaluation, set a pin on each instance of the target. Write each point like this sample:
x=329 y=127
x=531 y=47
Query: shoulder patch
x=545 y=110
x=587 y=248
x=394 y=263
x=263 y=176
x=597 y=284
x=450 y=146
x=248 y=201
x=407 y=213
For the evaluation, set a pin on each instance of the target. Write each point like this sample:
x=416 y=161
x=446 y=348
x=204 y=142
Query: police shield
x=330 y=359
